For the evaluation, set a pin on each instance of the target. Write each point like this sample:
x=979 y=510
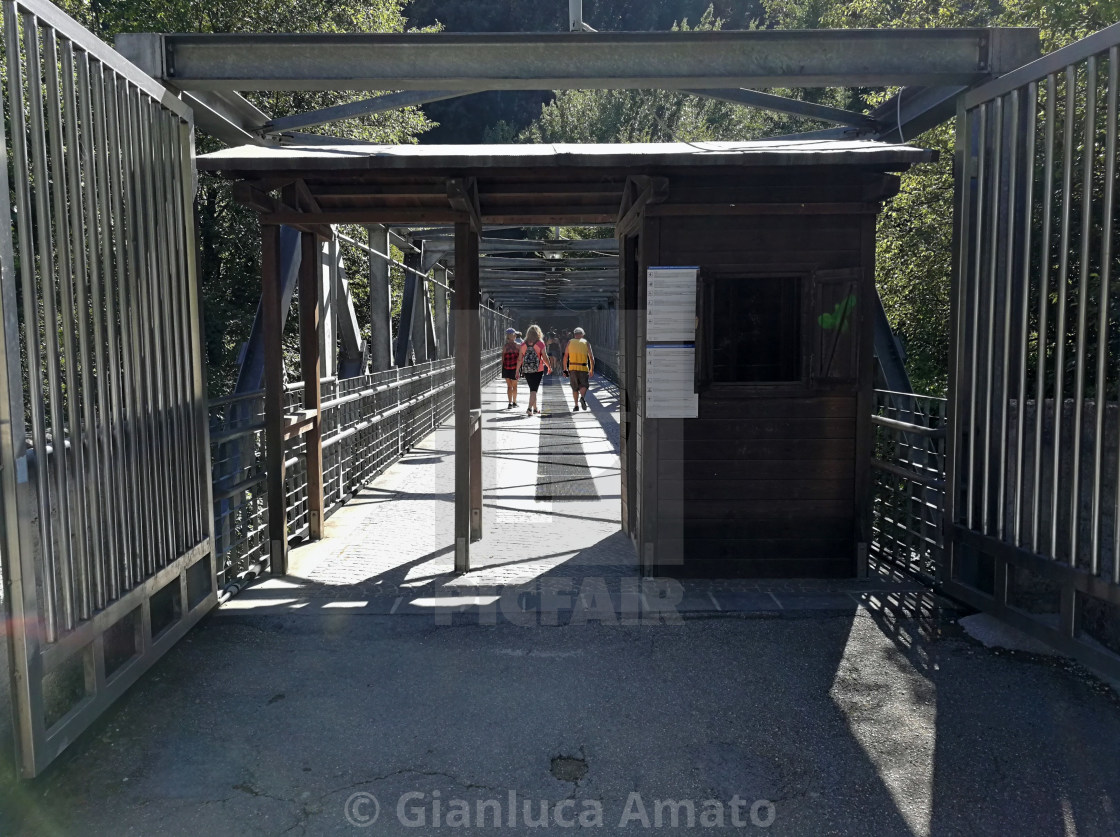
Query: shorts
x=511 y=374
x=578 y=378
x=534 y=380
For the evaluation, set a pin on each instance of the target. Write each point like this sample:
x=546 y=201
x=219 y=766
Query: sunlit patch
x=890 y=710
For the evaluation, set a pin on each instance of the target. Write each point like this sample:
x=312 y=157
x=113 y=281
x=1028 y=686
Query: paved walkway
x=550 y=524
x=372 y=692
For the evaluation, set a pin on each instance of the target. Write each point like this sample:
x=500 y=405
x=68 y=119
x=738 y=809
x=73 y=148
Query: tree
x=229 y=238
x=914 y=244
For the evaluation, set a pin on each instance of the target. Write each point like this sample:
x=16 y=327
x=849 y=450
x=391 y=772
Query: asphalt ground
x=373 y=692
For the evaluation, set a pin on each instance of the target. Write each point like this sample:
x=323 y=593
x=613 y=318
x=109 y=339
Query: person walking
x=532 y=363
x=511 y=355
x=552 y=345
x=579 y=364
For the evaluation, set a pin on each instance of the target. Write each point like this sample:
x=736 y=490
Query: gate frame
x=1005 y=553
x=31 y=656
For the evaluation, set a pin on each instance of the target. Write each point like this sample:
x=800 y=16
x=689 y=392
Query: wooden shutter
x=834 y=326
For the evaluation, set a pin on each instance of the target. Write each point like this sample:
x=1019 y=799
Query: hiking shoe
x=583 y=402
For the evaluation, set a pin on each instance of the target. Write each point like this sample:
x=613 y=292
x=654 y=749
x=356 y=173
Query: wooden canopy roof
x=509 y=184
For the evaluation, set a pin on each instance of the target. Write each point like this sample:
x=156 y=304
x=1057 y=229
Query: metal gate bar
x=107 y=502
x=1033 y=517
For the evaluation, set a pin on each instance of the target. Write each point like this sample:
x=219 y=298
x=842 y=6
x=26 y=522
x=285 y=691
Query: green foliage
x=655 y=115
x=229 y=237
x=914 y=248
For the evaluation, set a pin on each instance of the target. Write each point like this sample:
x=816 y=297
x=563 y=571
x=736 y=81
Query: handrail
x=97 y=49
x=907 y=427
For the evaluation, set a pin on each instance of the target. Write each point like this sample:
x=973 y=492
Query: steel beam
x=654 y=60
x=250 y=375
x=419 y=317
x=228 y=116
x=353 y=349
x=380 y=303
x=408 y=306
x=365 y=107
x=794 y=107
x=913 y=111
x=443 y=348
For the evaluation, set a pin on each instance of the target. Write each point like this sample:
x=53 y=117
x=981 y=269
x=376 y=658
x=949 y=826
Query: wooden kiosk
x=770 y=475
x=767 y=475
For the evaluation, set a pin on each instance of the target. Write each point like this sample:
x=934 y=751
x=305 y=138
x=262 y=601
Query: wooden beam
x=463 y=195
x=298 y=423
x=310 y=322
x=641 y=191
x=306 y=199
x=474 y=377
x=272 y=333
x=369 y=215
x=717 y=209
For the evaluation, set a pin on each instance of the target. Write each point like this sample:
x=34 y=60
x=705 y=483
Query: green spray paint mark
x=840 y=318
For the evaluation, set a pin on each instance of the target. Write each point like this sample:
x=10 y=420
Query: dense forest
x=914 y=231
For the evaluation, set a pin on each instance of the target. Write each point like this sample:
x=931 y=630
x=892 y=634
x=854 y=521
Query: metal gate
x=1033 y=528
x=104 y=453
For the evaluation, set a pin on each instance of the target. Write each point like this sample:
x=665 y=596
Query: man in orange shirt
x=579 y=362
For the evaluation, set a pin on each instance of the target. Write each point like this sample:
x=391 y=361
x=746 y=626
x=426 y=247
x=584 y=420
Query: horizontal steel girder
x=664 y=60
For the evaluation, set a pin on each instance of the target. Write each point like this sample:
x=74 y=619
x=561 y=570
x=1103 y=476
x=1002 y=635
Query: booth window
x=754 y=329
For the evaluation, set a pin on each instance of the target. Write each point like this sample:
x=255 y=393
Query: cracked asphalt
x=853 y=724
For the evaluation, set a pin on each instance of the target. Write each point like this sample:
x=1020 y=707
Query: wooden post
x=326 y=260
x=466 y=363
x=272 y=330
x=474 y=360
x=380 y=302
x=309 y=327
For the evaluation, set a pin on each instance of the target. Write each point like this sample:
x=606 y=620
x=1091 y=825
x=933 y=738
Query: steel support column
x=309 y=328
x=420 y=318
x=408 y=307
x=272 y=320
x=443 y=348
x=380 y=301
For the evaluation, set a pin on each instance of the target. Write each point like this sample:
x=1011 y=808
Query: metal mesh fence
x=908 y=481
x=369 y=422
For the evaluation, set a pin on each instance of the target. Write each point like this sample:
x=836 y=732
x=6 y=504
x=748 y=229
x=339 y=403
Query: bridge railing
x=908 y=482
x=369 y=422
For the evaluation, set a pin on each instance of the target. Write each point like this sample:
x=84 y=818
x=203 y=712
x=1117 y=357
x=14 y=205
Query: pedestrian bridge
x=748 y=427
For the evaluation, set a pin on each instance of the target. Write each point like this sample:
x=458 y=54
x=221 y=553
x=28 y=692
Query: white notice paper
x=670 y=376
x=671 y=304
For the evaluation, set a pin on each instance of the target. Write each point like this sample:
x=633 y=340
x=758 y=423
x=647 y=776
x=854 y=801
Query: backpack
x=532 y=361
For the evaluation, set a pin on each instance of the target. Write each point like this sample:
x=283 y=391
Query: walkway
x=854 y=708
